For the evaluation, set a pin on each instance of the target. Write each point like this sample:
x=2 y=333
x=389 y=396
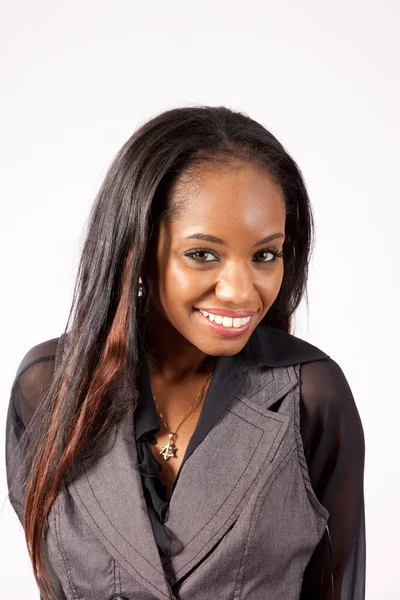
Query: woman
x=178 y=441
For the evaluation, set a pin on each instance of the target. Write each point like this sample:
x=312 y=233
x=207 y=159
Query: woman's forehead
x=229 y=199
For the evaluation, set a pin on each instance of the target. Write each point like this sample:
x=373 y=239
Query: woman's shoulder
x=44 y=351
x=328 y=404
x=324 y=385
x=33 y=378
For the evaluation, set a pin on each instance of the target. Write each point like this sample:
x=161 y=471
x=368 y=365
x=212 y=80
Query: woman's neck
x=171 y=356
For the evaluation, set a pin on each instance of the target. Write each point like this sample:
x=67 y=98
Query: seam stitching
x=62 y=552
x=233 y=510
x=34 y=362
x=271 y=415
x=277 y=472
x=113 y=526
x=116 y=549
x=114 y=578
x=310 y=494
x=285 y=384
x=211 y=518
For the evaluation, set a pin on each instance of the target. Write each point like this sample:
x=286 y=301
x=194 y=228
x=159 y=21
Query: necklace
x=169 y=449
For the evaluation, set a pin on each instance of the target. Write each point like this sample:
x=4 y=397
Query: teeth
x=226 y=321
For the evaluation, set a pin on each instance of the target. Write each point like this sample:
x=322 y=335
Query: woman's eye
x=269 y=255
x=199 y=255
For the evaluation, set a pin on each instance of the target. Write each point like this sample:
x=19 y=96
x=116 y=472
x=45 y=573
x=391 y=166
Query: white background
x=78 y=77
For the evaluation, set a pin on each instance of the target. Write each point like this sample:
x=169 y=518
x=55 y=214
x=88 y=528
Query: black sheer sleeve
x=32 y=380
x=333 y=442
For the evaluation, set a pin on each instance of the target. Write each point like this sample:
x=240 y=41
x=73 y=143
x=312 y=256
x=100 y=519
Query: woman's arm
x=333 y=442
x=33 y=376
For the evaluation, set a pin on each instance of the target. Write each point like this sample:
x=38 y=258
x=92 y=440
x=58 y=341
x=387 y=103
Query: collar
x=273 y=347
x=266 y=347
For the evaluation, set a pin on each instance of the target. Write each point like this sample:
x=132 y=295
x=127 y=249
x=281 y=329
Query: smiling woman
x=178 y=440
x=236 y=275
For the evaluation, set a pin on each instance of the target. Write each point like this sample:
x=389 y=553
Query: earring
x=141 y=287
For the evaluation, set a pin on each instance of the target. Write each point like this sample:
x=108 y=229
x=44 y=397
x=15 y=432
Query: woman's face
x=219 y=256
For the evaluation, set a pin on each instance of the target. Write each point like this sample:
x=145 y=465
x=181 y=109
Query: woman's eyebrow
x=217 y=240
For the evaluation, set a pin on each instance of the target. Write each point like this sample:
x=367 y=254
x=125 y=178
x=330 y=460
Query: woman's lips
x=225 y=331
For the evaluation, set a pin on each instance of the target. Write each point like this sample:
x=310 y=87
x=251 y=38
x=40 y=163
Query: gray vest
x=243 y=518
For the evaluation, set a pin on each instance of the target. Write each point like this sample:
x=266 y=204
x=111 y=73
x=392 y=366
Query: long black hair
x=99 y=348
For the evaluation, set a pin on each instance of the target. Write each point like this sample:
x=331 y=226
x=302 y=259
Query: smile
x=225 y=326
x=225 y=321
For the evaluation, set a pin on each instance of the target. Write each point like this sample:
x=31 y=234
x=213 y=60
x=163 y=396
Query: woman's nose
x=235 y=285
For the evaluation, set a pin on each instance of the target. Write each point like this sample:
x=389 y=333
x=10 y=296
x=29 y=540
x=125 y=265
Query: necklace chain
x=168 y=450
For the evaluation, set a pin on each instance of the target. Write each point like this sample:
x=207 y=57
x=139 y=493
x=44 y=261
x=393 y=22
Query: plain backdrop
x=78 y=77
